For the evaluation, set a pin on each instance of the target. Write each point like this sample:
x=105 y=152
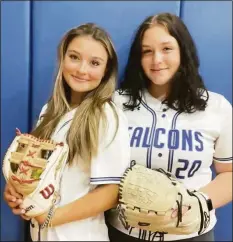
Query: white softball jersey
x=184 y=144
x=106 y=168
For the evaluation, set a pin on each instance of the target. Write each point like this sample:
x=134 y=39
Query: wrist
x=48 y=220
x=51 y=222
x=208 y=200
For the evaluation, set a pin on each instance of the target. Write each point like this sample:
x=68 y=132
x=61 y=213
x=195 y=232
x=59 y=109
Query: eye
x=146 y=51
x=167 y=49
x=73 y=57
x=95 y=63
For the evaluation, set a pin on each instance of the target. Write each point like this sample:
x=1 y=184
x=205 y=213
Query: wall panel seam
x=30 y=75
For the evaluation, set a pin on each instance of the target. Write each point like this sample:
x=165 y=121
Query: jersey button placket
x=164 y=110
x=163 y=116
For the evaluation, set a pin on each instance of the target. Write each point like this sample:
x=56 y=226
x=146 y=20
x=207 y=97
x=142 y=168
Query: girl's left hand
x=41 y=218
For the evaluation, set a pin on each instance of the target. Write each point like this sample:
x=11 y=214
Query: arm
x=219 y=190
x=97 y=201
x=106 y=171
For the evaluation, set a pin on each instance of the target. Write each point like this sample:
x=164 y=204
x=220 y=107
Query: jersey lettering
x=173 y=139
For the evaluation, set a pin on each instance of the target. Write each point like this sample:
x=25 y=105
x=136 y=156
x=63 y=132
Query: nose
x=82 y=69
x=157 y=57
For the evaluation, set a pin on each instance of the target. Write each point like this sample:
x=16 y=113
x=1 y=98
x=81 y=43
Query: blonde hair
x=83 y=135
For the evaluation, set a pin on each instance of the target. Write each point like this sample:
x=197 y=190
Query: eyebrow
x=166 y=42
x=94 y=57
x=162 y=43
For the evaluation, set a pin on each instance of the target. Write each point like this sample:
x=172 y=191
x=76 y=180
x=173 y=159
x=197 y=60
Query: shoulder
x=43 y=110
x=113 y=111
x=120 y=97
x=114 y=124
x=217 y=102
x=41 y=114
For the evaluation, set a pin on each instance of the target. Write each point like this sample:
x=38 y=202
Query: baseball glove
x=34 y=167
x=154 y=200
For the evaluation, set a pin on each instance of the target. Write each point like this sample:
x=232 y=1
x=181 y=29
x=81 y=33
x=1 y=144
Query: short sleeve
x=223 y=145
x=113 y=157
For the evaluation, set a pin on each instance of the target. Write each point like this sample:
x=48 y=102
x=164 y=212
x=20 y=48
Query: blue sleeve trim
x=98 y=179
x=223 y=159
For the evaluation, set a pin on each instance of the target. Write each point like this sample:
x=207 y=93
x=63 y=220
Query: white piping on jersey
x=152 y=136
x=95 y=179
x=63 y=125
x=151 y=139
x=171 y=151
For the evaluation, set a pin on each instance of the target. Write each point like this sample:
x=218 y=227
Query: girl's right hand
x=13 y=199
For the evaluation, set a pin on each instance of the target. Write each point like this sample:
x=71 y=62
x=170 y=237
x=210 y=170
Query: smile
x=79 y=79
x=157 y=70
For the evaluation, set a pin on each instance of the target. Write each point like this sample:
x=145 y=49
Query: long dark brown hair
x=188 y=92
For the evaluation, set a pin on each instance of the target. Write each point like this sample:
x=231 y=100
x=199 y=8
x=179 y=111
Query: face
x=160 y=55
x=84 y=65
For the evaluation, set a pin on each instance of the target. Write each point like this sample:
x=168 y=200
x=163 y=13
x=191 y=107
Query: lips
x=79 y=79
x=157 y=70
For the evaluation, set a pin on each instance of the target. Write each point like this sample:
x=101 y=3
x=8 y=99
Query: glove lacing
x=179 y=202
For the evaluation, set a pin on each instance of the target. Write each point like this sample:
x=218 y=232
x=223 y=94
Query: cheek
x=96 y=74
x=145 y=62
x=175 y=64
x=175 y=60
x=68 y=67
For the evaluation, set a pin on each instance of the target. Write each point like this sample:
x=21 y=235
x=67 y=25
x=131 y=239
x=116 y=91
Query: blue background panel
x=15 y=42
x=31 y=32
x=210 y=23
x=52 y=19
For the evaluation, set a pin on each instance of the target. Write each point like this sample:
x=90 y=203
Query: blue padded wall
x=31 y=32
x=210 y=23
x=15 y=37
x=52 y=19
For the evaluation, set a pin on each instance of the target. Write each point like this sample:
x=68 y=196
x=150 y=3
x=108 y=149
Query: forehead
x=86 y=45
x=157 y=34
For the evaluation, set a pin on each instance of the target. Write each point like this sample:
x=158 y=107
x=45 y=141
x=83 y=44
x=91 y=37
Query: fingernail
x=13 y=199
x=22 y=211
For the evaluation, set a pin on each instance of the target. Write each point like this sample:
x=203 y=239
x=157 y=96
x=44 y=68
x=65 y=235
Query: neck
x=76 y=99
x=159 y=92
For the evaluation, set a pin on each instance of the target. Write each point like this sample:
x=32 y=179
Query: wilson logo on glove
x=48 y=191
x=34 y=167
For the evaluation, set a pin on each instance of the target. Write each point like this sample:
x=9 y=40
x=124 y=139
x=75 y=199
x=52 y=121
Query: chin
x=81 y=88
x=159 y=82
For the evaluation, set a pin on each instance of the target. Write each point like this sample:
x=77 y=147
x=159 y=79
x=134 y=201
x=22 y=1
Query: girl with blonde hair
x=81 y=113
